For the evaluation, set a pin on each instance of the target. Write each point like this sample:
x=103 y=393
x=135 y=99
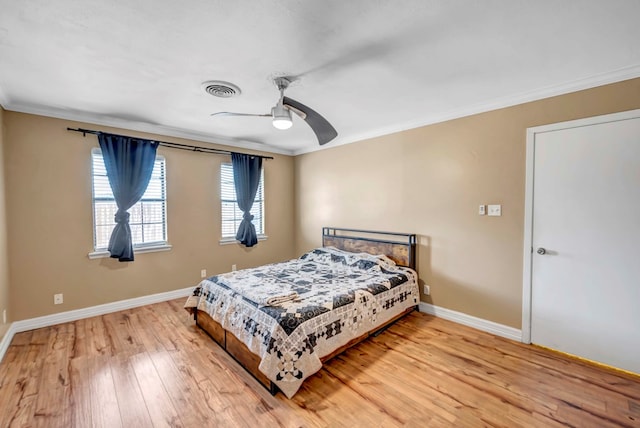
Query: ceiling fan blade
x=320 y=126
x=230 y=113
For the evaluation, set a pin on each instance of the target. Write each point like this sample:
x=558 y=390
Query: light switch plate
x=482 y=210
x=495 y=210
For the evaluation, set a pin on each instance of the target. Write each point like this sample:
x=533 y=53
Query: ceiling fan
x=281 y=114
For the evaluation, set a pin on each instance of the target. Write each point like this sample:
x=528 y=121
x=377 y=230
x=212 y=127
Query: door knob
x=541 y=251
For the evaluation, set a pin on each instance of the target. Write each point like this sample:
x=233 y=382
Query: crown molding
x=594 y=81
x=97 y=119
x=619 y=75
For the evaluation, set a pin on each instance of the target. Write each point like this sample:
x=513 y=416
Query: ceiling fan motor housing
x=281 y=116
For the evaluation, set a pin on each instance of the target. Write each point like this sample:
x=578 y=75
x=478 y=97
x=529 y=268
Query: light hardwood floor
x=151 y=366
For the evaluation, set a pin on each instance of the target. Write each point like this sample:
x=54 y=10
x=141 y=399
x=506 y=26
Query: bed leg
x=273 y=389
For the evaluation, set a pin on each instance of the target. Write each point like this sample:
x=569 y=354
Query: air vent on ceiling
x=221 y=89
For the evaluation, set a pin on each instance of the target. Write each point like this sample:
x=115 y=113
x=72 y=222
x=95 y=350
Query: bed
x=282 y=321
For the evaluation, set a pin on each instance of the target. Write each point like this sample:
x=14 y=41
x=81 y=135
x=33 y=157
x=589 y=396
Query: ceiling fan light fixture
x=281 y=117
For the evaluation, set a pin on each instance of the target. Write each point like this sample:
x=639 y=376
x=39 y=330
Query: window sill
x=232 y=240
x=136 y=250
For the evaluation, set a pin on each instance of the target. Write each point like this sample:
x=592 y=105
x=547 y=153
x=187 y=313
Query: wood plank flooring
x=151 y=367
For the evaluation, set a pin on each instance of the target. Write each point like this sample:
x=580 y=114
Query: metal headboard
x=399 y=247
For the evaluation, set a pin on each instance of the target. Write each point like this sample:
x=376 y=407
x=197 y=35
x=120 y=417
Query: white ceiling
x=369 y=66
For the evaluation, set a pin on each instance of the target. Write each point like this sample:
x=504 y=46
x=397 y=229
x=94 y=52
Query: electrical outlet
x=482 y=210
x=203 y=273
x=57 y=299
x=427 y=290
x=234 y=268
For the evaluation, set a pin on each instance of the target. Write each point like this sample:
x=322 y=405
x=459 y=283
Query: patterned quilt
x=326 y=298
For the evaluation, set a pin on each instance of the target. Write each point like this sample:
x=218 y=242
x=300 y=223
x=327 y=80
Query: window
x=148 y=219
x=231 y=214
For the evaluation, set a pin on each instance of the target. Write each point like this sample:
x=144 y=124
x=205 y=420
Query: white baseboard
x=471 y=321
x=62 y=317
x=6 y=340
x=107 y=308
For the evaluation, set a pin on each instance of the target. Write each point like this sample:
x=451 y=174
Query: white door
x=585 y=237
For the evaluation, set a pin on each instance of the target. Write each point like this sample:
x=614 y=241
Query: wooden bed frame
x=399 y=247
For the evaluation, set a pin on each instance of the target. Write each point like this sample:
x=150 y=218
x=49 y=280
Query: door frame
x=528 y=201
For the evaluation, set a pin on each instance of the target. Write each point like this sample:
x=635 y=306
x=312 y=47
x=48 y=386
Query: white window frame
x=231 y=239
x=137 y=247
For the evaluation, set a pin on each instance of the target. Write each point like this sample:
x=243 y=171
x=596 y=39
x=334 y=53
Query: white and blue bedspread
x=333 y=296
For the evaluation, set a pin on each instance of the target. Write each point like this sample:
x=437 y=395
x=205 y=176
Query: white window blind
x=231 y=213
x=148 y=220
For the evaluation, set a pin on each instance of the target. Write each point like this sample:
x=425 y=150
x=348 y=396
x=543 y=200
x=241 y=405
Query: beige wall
x=50 y=221
x=430 y=181
x=4 y=261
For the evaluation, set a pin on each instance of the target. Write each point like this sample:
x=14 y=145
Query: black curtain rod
x=171 y=145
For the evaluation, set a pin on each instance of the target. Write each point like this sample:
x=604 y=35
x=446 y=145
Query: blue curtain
x=129 y=162
x=246 y=176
